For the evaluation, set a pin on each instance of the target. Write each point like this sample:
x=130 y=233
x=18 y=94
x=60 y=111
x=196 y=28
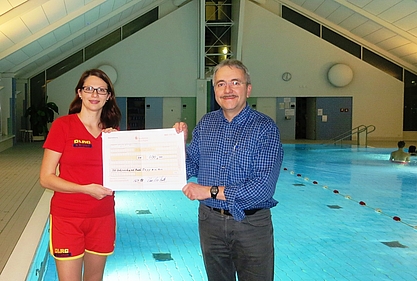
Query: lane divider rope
x=362 y=203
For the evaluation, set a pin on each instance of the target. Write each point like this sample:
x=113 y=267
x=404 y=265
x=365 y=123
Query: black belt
x=227 y=213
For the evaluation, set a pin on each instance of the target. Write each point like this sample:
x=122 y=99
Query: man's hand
x=181 y=127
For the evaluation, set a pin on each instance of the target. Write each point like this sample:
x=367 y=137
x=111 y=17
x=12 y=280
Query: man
x=400 y=155
x=236 y=155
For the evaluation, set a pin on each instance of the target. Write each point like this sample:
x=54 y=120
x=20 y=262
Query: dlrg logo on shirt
x=81 y=143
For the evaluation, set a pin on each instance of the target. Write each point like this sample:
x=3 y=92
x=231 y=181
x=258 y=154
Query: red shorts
x=71 y=237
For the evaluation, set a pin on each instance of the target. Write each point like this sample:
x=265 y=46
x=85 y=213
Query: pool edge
x=19 y=262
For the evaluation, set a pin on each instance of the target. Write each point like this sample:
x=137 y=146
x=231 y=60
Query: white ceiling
x=388 y=27
x=37 y=34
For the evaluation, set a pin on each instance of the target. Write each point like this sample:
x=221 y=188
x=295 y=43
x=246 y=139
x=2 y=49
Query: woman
x=82 y=216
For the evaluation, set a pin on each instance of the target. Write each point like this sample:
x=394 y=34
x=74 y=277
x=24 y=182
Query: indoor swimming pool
x=344 y=213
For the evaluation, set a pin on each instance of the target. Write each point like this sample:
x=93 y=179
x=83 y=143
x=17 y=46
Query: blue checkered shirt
x=244 y=155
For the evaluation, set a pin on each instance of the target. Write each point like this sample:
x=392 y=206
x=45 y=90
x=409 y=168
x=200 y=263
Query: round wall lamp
x=110 y=71
x=340 y=75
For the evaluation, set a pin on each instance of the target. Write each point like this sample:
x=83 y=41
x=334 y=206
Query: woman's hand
x=108 y=130
x=98 y=191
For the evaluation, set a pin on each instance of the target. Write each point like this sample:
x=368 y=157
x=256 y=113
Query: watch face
x=214 y=190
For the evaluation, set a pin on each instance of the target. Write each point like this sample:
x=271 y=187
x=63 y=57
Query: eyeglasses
x=99 y=90
x=232 y=84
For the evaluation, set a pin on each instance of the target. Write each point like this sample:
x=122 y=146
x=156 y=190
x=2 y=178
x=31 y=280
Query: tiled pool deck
x=344 y=214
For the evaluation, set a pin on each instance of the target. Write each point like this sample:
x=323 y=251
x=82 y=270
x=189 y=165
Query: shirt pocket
x=241 y=161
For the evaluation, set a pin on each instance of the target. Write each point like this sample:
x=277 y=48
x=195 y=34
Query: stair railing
x=361 y=132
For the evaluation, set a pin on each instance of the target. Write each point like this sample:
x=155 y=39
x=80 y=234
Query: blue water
x=344 y=214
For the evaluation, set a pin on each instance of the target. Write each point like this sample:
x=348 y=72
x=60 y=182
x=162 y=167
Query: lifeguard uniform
x=78 y=221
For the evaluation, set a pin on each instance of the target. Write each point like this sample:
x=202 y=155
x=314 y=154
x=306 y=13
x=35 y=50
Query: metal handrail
x=357 y=130
x=368 y=131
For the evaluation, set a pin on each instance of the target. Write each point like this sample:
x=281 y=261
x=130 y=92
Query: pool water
x=345 y=213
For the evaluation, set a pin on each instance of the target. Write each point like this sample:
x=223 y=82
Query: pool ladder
x=361 y=133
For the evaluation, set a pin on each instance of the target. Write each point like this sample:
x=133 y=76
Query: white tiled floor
x=19 y=193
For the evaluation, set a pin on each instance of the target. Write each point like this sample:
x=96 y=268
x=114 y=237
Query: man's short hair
x=401 y=144
x=233 y=63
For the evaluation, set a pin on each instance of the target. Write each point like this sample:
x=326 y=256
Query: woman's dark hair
x=110 y=114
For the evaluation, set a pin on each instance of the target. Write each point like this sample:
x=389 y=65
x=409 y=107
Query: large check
x=144 y=160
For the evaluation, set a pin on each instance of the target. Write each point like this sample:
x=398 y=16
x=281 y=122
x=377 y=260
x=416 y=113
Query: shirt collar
x=240 y=118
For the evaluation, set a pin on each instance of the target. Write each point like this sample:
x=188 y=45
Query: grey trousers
x=231 y=248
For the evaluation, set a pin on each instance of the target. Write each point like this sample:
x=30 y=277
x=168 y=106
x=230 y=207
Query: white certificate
x=144 y=160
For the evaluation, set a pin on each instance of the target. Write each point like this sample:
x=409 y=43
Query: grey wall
x=335 y=118
x=153 y=113
x=122 y=103
x=286 y=117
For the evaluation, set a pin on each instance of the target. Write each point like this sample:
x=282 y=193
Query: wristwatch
x=214 y=190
